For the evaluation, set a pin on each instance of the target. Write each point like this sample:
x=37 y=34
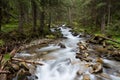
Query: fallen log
x=27 y=61
x=109 y=39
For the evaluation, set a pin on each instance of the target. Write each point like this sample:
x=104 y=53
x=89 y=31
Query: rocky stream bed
x=72 y=58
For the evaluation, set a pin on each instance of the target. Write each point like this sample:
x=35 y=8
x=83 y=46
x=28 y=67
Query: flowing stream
x=61 y=64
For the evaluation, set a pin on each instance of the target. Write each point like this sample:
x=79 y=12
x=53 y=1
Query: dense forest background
x=35 y=17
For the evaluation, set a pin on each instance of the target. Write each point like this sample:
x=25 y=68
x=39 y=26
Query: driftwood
x=14 y=51
x=27 y=61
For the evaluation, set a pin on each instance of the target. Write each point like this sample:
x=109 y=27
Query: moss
x=50 y=36
x=113 y=43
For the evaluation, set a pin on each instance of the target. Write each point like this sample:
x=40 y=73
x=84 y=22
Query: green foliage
x=7 y=56
x=100 y=5
x=9 y=27
x=2 y=42
x=5 y=59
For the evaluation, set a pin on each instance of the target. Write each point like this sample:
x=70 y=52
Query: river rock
x=116 y=55
x=15 y=67
x=99 y=60
x=24 y=65
x=88 y=59
x=86 y=77
x=22 y=74
x=82 y=47
x=105 y=76
x=74 y=33
x=96 y=68
x=79 y=73
x=61 y=45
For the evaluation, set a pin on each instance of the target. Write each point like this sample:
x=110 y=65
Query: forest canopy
x=39 y=15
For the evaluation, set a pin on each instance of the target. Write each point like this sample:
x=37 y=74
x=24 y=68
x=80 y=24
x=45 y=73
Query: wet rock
x=32 y=77
x=61 y=45
x=99 y=60
x=32 y=69
x=86 y=77
x=24 y=65
x=84 y=57
x=15 y=67
x=101 y=51
x=79 y=55
x=79 y=73
x=44 y=53
x=88 y=59
x=75 y=34
x=96 y=68
x=105 y=76
x=116 y=55
x=22 y=74
x=82 y=45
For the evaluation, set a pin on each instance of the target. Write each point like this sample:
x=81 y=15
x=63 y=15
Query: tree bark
x=42 y=22
x=21 y=17
x=50 y=20
x=0 y=18
x=34 y=8
x=42 y=17
x=103 y=24
x=69 y=14
x=109 y=12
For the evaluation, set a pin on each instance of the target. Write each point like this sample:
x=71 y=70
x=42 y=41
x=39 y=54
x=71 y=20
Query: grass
x=9 y=27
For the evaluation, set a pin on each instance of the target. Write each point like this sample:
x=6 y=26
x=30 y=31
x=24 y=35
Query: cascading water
x=61 y=64
x=60 y=68
x=64 y=65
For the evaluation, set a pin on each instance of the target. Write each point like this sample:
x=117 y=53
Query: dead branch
x=27 y=61
x=14 y=51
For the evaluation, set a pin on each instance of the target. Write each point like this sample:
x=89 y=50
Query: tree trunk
x=69 y=15
x=103 y=24
x=49 y=21
x=21 y=18
x=42 y=22
x=0 y=18
x=109 y=13
x=34 y=7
